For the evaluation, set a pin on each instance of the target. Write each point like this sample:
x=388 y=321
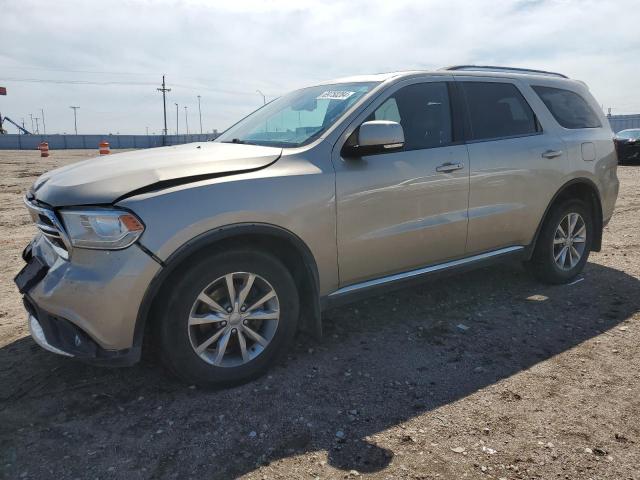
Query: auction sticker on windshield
x=334 y=95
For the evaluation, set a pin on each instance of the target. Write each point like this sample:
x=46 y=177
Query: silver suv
x=216 y=253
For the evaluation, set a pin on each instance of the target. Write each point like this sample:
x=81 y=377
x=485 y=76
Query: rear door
x=515 y=165
x=401 y=210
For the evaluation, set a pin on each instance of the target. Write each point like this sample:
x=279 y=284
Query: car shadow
x=382 y=362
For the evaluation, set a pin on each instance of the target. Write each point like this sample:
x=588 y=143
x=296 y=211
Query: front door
x=402 y=210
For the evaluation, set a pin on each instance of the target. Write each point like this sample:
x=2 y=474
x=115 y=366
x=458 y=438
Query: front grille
x=47 y=222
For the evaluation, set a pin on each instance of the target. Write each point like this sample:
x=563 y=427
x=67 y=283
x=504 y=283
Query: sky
x=108 y=58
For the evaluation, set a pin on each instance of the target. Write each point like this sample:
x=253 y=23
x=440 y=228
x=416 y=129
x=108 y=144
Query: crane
x=20 y=128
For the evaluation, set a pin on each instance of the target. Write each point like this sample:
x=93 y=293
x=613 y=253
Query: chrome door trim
x=422 y=271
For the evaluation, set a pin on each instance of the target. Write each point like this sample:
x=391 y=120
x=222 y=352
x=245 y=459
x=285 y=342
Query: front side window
x=568 y=108
x=424 y=112
x=498 y=110
x=298 y=117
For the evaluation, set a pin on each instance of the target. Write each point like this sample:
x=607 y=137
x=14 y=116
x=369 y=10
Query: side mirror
x=376 y=136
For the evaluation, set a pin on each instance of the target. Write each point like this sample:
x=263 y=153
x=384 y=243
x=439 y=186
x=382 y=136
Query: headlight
x=101 y=228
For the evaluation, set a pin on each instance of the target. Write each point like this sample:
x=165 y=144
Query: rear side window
x=498 y=110
x=568 y=108
x=424 y=112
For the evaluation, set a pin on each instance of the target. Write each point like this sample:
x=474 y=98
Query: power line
x=73 y=70
x=73 y=82
x=121 y=83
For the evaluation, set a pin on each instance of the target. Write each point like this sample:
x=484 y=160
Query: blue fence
x=61 y=142
x=622 y=122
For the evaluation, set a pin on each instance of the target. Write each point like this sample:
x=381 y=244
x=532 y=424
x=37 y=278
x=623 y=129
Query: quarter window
x=498 y=110
x=568 y=108
x=424 y=112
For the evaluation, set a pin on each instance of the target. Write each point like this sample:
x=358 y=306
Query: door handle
x=552 y=153
x=449 y=167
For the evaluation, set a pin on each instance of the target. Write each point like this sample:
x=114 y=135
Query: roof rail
x=490 y=68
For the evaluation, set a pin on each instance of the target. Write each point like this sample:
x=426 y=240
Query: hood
x=103 y=180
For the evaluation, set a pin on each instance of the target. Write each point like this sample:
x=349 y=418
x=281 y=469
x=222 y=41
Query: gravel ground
x=484 y=375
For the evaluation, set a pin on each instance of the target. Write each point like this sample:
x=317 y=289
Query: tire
x=543 y=263
x=206 y=280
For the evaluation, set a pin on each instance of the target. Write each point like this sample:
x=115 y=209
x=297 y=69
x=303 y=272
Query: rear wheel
x=229 y=317
x=563 y=246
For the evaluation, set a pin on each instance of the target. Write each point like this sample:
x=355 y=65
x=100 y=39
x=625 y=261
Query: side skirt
x=377 y=286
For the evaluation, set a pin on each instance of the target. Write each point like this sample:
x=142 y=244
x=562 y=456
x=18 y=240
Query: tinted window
x=424 y=112
x=568 y=108
x=498 y=110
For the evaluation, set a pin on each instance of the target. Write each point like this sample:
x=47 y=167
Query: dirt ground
x=484 y=375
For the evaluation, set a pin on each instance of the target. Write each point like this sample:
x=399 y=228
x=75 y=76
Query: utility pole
x=75 y=118
x=264 y=99
x=164 y=91
x=44 y=127
x=200 y=113
x=176 y=120
x=186 y=119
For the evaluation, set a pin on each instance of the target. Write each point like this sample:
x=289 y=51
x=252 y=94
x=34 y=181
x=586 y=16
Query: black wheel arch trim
x=597 y=239
x=309 y=316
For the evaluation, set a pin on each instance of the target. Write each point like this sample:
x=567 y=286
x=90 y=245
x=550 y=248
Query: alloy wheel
x=569 y=241
x=234 y=319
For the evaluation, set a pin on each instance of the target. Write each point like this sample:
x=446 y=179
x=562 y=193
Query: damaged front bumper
x=85 y=307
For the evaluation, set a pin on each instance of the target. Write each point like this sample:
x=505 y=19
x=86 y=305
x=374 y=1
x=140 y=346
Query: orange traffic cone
x=104 y=148
x=44 y=149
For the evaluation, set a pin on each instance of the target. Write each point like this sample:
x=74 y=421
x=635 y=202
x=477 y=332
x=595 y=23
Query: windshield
x=298 y=117
x=629 y=134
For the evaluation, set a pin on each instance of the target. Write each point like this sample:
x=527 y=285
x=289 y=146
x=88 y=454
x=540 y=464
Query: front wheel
x=564 y=243
x=229 y=317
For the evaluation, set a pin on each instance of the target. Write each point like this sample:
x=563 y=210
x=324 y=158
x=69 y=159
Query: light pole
x=186 y=119
x=200 y=113
x=264 y=99
x=44 y=127
x=33 y=128
x=176 y=121
x=164 y=91
x=75 y=118
x=37 y=126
